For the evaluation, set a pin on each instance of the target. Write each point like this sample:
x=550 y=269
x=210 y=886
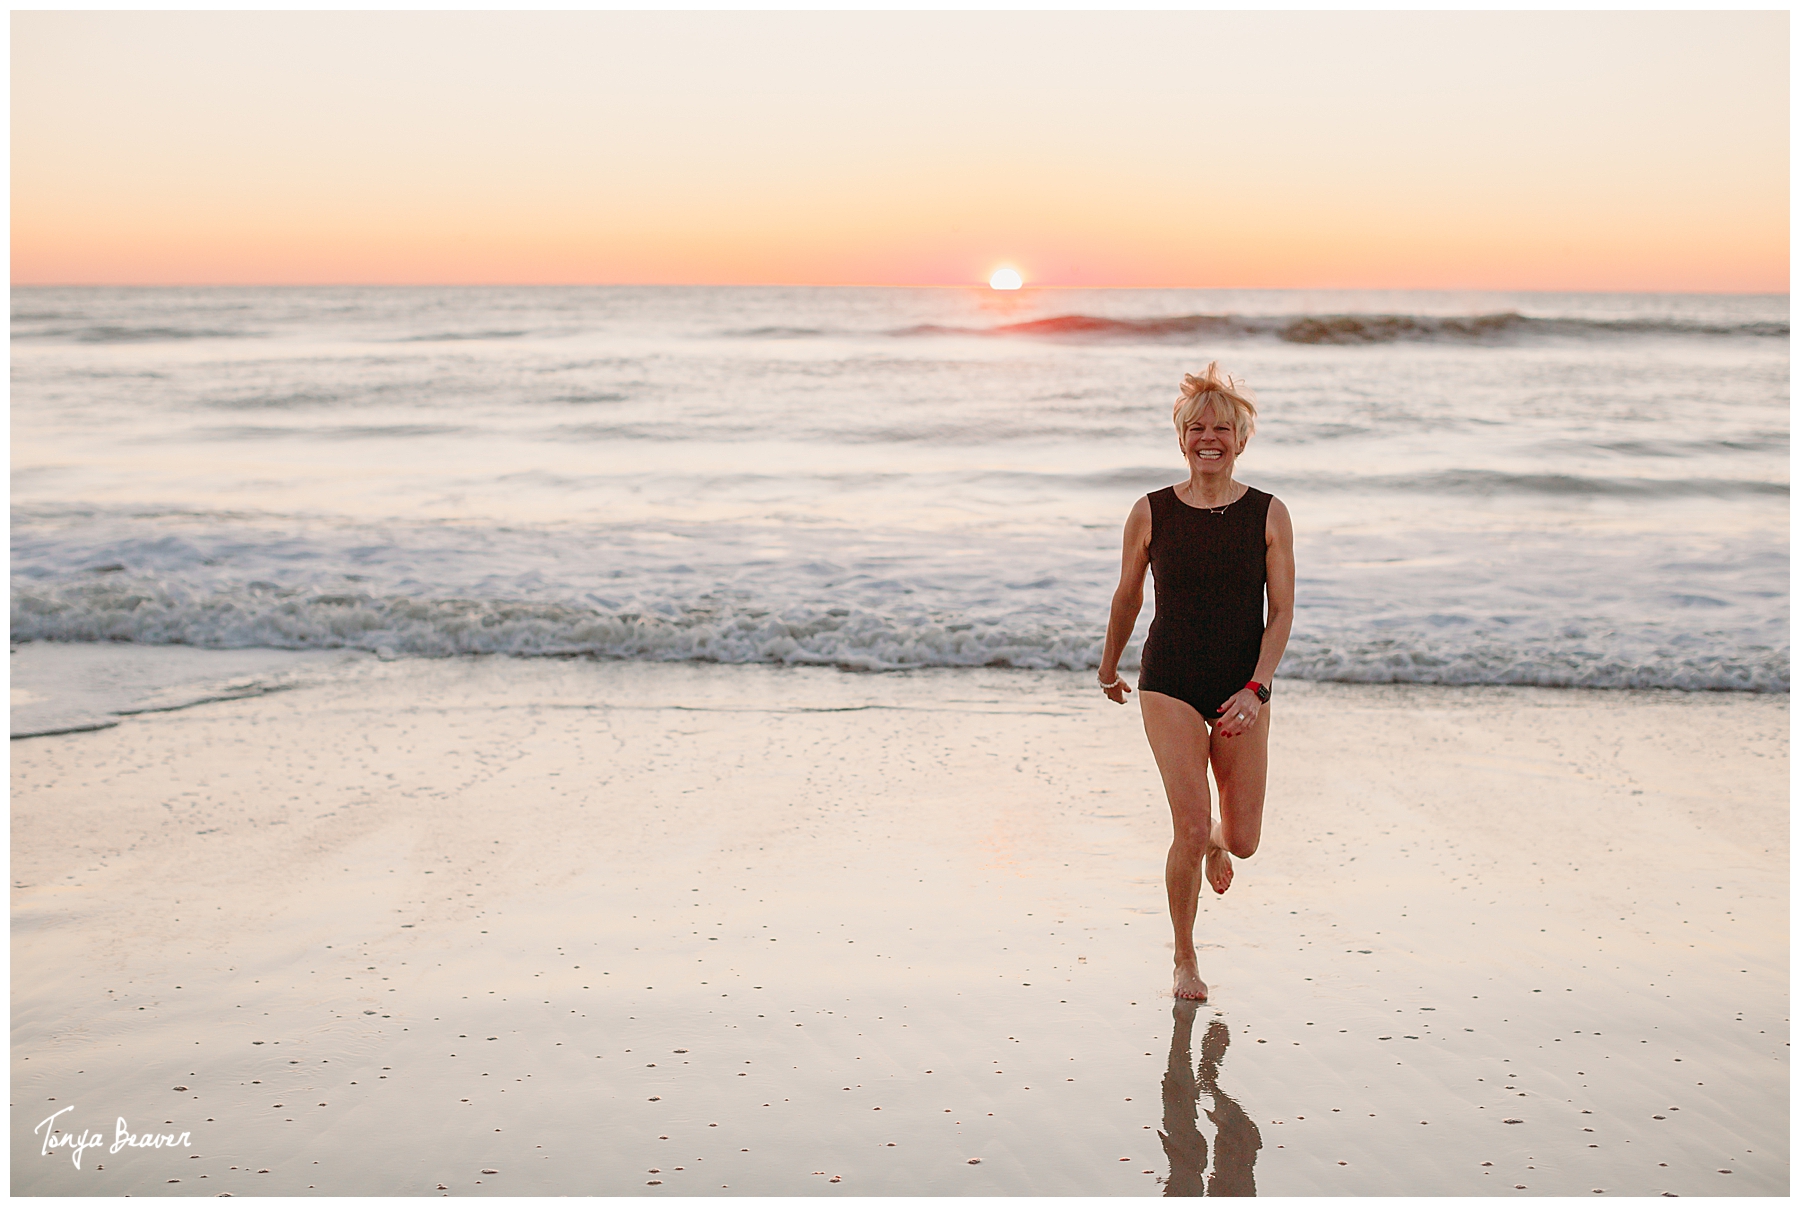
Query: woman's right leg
x=1179 y=740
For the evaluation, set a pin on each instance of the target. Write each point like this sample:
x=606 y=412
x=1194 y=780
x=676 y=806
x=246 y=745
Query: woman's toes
x=1218 y=869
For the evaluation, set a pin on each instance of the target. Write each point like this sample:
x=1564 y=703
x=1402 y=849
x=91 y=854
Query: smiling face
x=1210 y=442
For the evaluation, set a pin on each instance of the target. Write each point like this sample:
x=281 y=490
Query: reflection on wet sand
x=1235 y=1140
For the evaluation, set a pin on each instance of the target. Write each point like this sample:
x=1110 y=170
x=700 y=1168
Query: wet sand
x=561 y=927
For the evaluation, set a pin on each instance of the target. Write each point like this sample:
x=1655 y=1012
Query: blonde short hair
x=1211 y=387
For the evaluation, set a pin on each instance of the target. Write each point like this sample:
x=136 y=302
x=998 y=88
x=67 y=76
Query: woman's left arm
x=1278 y=536
x=1279 y=533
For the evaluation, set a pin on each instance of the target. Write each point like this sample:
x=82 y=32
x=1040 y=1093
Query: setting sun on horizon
x=1492 y=150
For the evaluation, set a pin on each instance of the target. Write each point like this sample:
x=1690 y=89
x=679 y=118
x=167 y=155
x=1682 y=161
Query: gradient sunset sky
x=1524 y=150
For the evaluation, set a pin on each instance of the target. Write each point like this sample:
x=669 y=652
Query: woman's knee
x=1242 y=847
x=1192 y=834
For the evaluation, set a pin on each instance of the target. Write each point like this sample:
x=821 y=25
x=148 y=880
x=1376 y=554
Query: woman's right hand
x=1116 y=693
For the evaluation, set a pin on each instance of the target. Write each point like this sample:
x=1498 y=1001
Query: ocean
x=1550 y=489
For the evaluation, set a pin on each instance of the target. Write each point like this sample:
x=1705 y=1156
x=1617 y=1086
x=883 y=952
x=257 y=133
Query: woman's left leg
x=1240 y=766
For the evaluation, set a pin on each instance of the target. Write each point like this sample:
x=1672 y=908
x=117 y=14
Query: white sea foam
x=1043 y=630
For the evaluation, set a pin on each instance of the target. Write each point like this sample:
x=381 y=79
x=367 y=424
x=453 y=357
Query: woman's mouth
x=1210 y=454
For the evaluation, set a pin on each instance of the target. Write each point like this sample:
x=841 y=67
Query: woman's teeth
x=1210 y=454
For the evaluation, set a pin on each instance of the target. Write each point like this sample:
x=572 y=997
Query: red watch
x=1261 y=690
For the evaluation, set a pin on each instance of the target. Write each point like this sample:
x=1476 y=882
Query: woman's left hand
x=1239 y=714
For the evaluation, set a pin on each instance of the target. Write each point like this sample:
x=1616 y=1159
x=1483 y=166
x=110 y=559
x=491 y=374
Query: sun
x=1006 y=278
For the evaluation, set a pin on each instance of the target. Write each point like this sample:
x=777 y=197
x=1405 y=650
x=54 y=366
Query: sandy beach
x=502 y=926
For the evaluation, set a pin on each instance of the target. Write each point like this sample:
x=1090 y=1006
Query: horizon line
x=972 y=285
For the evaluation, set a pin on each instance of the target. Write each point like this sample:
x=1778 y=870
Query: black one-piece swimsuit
x=1211 y=568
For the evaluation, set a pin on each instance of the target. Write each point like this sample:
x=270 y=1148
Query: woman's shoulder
x=1263 y=499
x=1276 y=520
x=1154 y=503
x=1140 y=523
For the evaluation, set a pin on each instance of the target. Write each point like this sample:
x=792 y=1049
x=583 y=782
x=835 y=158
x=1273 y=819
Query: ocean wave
x=1347 y=328
x=386 y=431
x=115 y=334
x=263 y=615
x=1537 y=665
x=585 y=399
x=439 y=337
x=776 y=333
x=1492 y=482
x=402 y=625
x=1453 y=482
x=1752 y=442
x=293 y=400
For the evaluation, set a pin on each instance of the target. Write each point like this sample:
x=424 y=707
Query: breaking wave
x=857 y=639
x=113 y=334
x=1494 y=482
x=1349 y=328
x=440 y=337
x=862 y=639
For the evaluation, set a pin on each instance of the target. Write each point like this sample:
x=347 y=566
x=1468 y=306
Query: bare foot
x=1188 y=984
x=1218 y=861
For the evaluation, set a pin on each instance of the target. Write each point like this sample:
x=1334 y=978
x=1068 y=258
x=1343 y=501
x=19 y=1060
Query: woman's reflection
x=1236 y=1140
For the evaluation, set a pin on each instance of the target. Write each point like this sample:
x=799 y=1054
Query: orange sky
x=1615 y=150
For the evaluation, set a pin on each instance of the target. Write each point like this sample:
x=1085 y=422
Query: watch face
x=1262 y=692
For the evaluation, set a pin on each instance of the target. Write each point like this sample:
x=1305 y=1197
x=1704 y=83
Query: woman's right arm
x=1128 y=599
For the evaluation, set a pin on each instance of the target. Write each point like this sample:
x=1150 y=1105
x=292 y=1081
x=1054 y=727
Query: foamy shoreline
x=416 y=920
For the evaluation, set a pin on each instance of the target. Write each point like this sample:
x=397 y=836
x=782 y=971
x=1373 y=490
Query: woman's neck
x=1203 y=490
